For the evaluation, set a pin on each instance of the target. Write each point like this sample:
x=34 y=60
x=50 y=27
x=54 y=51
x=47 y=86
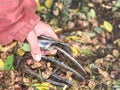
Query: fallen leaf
x=36 y=65
x=25 y=47
x=90 y=4
x=86 y=38
x=105 y=75
x=4 y=55
x=56 y=12
x=1 y=64
x=17 y=87
x=26 y=81
x=79 y=33
x=48 y=3
x=91 y=14
x=12 y=76
x=98 y=30
x=91 y=34
x=108 y=26
x=58 y=30
x=116 y=53
x=73 y=38
x=8 y=47
x=74 y=51
x=65 y=87
x=99 y=61
x=92 y=83
x=46 y=74
x=86 y=52
x=70 y=25
x=20 y=52
x=43 y=86
x=9 y=63
x=87 y=69
x=60 y=6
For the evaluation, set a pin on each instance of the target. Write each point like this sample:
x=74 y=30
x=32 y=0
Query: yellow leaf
x=79 y=33
x=58 y=30
x=74 y=50
x=43 y=86
x=60 y=6
x=90 y=4
x=73 y=38
x=48 y=3
x=108 y=26
x=1 y=64
x=20 y=52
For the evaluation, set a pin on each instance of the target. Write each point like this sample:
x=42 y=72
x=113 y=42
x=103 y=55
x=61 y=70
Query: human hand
x=40 y=29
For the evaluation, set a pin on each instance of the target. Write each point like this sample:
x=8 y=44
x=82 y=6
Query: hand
x=40 y=29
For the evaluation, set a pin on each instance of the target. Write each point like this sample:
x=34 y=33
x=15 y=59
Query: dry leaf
x=75 y=51
x=17 y=87
x=79 y=33
x=60 y=6
x=65 y=87
x=36 y=65
x=70 y=25
x=43 y=86
x=12 y=76
x=26 y=81
x=73 y=38
x=86 y=38
x=8 y=47
x=68 y=75
x=116 y=53
x=46 y=74
x=108 y=26
x=92 y=83
x=20 y=52
x=98 y=62
x=87 y=69
x=1 y=64
x=48 y=3
x=4 y=55
x=104 y=74
x=56 y=12
x=1 y=75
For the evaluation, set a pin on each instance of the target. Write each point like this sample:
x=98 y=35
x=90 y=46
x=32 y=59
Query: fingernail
x=37 y=57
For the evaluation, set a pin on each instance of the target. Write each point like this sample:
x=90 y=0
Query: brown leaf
x=115 y=53
x=36 y=65
x=12 y=75
x=46 y=74
x=70 y=25
x=26 y=81
x=8 y=47
x=87 y=69
x=68 y=75
x=17 y=87
x=105 y=75
x=92 y=83
x=1 y=74
x=85 y=38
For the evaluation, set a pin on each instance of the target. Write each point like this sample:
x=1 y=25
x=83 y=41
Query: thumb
x=35 y=50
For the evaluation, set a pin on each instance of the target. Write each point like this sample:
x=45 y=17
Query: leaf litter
x=91 y=28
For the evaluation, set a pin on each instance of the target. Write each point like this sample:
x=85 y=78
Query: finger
x=43 y=28
x=51 y=34
x=35 y=50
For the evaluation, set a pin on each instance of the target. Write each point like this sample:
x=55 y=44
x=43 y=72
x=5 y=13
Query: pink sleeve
x=17 y=19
